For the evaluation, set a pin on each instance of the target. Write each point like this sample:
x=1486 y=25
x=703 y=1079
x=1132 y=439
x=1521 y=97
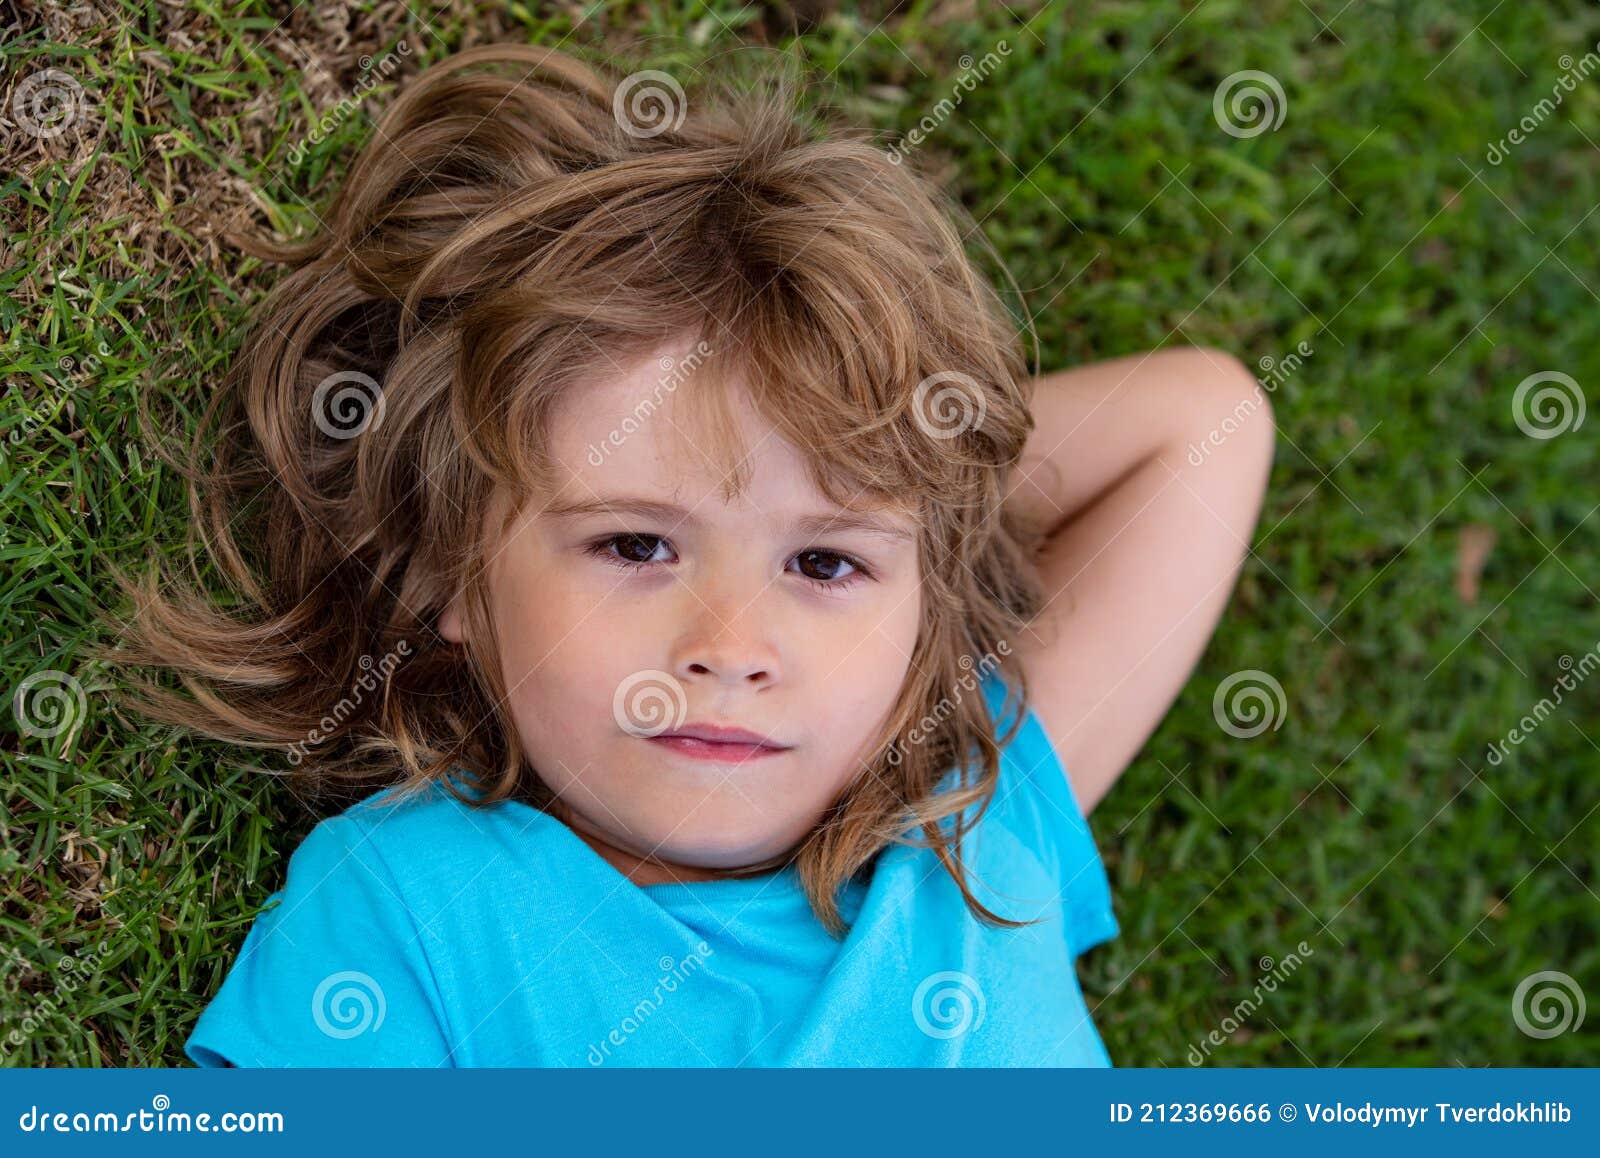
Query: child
x=657 y=511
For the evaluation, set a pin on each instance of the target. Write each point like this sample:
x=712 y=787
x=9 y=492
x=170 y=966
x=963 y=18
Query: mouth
x=717 y=744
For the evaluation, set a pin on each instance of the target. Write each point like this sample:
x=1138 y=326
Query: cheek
x=889 y=630
x=545 y=618
x=557 y=646
x=860 y=668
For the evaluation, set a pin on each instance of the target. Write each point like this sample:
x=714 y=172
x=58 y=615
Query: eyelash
x=600 y=550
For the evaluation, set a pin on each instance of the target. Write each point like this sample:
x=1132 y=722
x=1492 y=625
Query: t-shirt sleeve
x=334 y=973
x=1034 y=799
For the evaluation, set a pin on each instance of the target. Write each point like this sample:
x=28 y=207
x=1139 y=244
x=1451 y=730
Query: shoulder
x=1033 y=794
x=340 y=967
x=1033 y=802
x=425 y=837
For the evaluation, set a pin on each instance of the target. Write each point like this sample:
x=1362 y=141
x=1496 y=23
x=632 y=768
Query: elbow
x=1233 y=409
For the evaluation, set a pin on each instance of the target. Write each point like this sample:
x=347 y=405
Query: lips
x=721 y=734
x=723 y=745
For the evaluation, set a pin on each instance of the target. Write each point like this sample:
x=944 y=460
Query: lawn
x=1369 y=234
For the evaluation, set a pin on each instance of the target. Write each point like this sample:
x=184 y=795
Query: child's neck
x=645 y=871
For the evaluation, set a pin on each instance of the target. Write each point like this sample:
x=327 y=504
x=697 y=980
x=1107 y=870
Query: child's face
x=728 y=621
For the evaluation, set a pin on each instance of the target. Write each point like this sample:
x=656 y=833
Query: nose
x=728 y=640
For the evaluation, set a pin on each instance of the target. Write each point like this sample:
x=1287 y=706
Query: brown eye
x=636 y=548
x=821 y=566
x=626 y=550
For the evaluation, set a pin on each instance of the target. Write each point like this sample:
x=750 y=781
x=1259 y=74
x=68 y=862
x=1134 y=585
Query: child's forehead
x=680 y=427
x=887 y=524
x=662 y=472
x=678 y=476
x=667 y=425
x=664 y=392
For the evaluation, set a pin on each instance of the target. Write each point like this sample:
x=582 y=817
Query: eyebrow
x=809 y=525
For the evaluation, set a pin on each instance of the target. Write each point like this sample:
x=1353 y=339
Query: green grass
x=1369 y=225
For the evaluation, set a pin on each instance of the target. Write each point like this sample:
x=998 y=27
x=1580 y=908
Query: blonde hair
x=501 y=226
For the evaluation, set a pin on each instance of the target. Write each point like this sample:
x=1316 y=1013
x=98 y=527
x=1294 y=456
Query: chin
x=722 y=850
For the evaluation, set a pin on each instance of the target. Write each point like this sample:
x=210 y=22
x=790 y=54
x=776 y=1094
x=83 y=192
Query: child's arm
x=1148 y=471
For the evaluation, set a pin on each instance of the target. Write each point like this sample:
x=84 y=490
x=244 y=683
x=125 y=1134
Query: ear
x=450 y=621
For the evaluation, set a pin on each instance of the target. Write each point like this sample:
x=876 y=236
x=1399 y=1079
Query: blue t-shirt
x=432 y=933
